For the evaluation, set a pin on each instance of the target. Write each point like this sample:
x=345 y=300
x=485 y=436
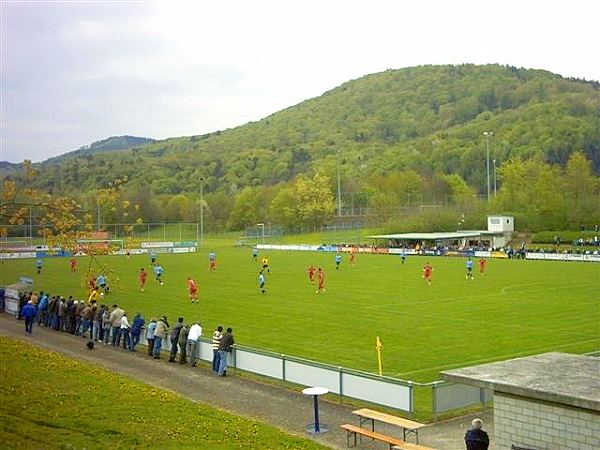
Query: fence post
x=341 y=382
x=434 y=401
x=411 y=398
x=148 y=232
x=283 y=367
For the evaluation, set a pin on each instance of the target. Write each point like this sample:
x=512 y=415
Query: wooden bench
x=354 y=430
x=409 y=446
x=408 y=426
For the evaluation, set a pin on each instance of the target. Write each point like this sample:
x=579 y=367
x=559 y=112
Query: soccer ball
x=101 y=294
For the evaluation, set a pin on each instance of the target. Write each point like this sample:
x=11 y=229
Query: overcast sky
x=77 y=72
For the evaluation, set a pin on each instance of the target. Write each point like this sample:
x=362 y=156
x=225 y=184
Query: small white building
x=501 y=224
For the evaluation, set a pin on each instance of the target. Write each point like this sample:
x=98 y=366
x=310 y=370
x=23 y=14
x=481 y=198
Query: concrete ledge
x=562 y=378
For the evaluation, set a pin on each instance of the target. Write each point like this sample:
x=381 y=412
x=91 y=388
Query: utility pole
x=201 y=210
x=339 y=185
x=488 y=135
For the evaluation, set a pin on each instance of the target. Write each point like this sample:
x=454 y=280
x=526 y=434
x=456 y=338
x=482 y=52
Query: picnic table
x=408 y=426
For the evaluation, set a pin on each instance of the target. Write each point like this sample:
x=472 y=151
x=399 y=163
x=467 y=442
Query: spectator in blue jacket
x=42 y=309
x=476 y=438
x=29 y=312
x=136 y=330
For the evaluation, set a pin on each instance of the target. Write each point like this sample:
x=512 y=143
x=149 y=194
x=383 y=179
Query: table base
x=323 y=428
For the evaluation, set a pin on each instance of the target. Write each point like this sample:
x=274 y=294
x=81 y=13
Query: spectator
x=70 y=317
x=216 y=342
x=150 y=336
x=53 y=313
x=193 y=336
x=136 y=330
x=125 y=328
x=28 y=312
x=115 y=322
x=97 y=323
x=42 y=309
x=62 y=314
x=79 y=307
x=476 y=438
x=175 y=338
x=182 y=342
x=225 y=347
x=106 y=326
x=86 y=320
x=162 y=328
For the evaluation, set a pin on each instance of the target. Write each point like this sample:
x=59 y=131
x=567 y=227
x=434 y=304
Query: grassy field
x=517 y=308
x=51 y=401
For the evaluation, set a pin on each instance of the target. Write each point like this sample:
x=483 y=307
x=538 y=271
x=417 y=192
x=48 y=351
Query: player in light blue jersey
x=38 y=265
x=469 y=266
x=158 y=271
x=262 y=282
x=338 y=261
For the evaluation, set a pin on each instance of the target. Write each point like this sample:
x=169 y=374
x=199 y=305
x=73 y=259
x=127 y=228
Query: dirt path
x=283 y=408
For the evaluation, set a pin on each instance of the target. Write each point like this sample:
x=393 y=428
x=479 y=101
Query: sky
x=76 y=72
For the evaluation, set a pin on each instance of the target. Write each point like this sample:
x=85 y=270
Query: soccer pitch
x=517 y=308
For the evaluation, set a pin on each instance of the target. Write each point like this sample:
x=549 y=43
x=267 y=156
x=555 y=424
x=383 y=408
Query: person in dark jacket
x=225 y=347
x=476 y=438
x=182 y=342
x=175 y=338
x=136 y=330
x=28 y=312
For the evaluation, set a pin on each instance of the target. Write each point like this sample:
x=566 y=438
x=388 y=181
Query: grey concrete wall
x=543 y=426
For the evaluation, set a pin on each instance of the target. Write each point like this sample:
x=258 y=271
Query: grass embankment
x=51 y=401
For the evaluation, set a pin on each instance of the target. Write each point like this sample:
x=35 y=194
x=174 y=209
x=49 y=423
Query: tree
x=315 y=199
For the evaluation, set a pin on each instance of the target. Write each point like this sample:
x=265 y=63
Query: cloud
x=78 y=72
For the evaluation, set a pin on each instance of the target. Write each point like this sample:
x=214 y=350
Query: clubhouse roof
x=449 y=235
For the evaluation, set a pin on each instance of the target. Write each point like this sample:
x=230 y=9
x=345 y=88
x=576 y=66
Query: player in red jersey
x=142 y=278
x=428 y=273
x=192 y=289
x=482 y=263
x=73 y=264
x=311 y=274
x=321 y=279
x=91 y=281
x=352 y=256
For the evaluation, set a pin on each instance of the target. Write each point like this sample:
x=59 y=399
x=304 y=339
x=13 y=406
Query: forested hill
x=111 y=144
x=429 y=119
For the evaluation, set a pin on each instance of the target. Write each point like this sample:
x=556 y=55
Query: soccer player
x=192 y=289
x=38 y=265
x=428 y=272
x=469 y=267
x=265 y=265
x=338 y=260
x=142 y=279
x=152 y=258
x=255 y=253
x=403 y=257
x=158 y=271
x=321 y=279
x=101 y=280
x=261 y=282
x=212 y=258
x=311 y=274
x=91 y=281
x=482 y=263
x=73 y=264
x=352 y=256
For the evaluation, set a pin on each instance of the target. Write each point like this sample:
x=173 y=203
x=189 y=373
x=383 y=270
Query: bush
x=566 y=236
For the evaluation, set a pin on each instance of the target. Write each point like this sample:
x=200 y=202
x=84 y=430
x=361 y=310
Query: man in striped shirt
x=216 y=342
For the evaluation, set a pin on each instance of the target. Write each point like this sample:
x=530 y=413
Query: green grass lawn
x=517 y=308
x=51 y=401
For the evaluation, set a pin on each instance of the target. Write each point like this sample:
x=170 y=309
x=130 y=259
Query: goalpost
x=101 y=244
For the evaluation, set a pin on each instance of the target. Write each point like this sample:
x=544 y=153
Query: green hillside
x=399 y=134
x=111 y=144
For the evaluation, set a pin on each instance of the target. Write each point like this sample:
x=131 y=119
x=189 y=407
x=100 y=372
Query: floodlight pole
x=201 y=210
x=495 y=179
x=339 y=185
x=262 y=225
x=487 y=135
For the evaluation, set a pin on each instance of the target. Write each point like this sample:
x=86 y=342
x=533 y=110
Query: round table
x=316 y=427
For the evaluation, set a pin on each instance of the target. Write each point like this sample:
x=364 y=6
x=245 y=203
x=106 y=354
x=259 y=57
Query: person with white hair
x=476 y=438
